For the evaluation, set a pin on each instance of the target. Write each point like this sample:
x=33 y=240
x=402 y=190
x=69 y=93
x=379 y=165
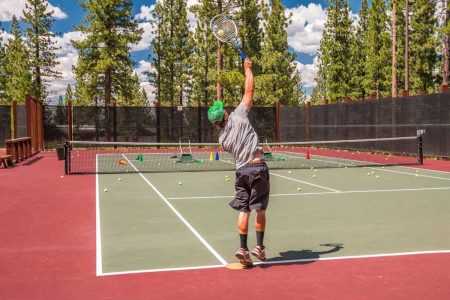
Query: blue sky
x=303 y=35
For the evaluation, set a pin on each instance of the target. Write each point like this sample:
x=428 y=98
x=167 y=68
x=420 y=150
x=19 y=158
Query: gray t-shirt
x=239 y=138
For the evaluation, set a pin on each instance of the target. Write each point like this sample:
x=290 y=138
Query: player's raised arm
x=249 y=84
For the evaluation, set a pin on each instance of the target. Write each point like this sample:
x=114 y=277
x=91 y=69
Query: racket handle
x=242 y=54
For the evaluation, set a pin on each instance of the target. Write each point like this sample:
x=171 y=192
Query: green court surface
x=149 y=222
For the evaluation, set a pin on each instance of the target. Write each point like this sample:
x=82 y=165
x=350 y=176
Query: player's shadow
x=304 y=256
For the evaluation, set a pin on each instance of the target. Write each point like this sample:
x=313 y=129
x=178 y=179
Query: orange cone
x=122 y=162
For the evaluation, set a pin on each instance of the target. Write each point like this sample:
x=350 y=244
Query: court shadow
x=304 y=256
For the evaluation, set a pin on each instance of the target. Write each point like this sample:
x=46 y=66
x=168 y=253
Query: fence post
x=114 y=113
x=14 y=118
x=277 y=118
x=40 y=125
x=69 y=121
x=199 y=122
x=28 y=113
x=158 y=122
x=308 y=120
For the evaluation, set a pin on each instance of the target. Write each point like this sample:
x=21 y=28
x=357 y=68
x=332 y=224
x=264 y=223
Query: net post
x=420 y=132
x=67 y=157
x=158 y=122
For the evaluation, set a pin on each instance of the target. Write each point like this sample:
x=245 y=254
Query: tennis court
x=168 y=221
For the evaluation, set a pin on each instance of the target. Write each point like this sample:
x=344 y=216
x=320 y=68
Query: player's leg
x=241 y=203
x=259 y=200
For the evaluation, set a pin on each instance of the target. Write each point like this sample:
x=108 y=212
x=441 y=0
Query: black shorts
x=252 y=188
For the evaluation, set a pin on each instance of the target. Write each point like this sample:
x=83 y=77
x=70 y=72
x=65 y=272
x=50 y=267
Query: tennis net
x=124 y=157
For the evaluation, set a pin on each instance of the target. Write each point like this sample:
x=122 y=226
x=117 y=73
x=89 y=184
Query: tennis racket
x=225 y=30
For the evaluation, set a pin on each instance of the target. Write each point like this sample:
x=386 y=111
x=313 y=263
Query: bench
x=6 y=161
x=19 y=149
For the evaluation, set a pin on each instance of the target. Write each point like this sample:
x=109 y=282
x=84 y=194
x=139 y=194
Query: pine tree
x=2 y=69
x=171 y=50
x=335 y=51
x=423 y=44
x=105 y=70
x=400 y=44
x=446 y=43
x=69 y=95
x=204 y=57
x=359 y=54
x=17 y=67
x=378 y=63
x=41 y=46
x=279 y=80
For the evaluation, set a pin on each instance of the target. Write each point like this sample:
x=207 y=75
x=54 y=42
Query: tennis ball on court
x=345 y=167
x=417 y=175
x=372 y=172
x=220 y=32
x=120 y=179
x=417 y=171
x=378 y=177
x=299 y=189
x=227 y=179
x=368 y=174
x=289 y=172
x=105 y=190
x=180 y=183
x=314 y=176
x=315 y=171
x=62 y=177
x=159 y=164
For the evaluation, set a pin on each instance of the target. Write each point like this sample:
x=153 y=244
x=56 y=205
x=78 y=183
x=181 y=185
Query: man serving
x=238 y=137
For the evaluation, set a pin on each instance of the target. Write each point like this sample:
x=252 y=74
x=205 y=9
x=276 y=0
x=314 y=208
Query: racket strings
x=226 y=26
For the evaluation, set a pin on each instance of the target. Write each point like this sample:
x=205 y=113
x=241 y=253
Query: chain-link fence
x=5 y=123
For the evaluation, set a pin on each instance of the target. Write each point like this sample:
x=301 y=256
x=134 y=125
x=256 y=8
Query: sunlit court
x=224 y=149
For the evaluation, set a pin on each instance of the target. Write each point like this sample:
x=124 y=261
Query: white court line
x=305 y=182
x=280 y=262
x=320 y=193
x=98 y=239
x=354 y=257
x=192 y=229
x=386 y=170
x=163 y=270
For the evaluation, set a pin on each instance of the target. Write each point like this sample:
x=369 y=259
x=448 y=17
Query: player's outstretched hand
x=247 y=64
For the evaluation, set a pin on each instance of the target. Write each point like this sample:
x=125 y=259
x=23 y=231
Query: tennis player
x=238 y=137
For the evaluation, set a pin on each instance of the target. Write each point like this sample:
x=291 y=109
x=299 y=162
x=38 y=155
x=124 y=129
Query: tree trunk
x=446 y=73
x=219 y=64
x=406 y=47
x=394 y=50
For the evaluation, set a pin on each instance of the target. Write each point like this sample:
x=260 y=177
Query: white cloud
x=9 y=8
x=305 y=32
x=308 y=72
x=147 y=36
x=144 y=66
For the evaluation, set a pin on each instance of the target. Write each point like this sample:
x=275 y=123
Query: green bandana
x=215 y=112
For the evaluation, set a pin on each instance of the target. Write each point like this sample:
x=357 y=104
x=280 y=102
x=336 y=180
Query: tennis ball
x=417 y=171
x=368 y=174
x=417 y=175
x=180 y=183
x=220 y=32
x=120 y=179
x=315 y=171
x=372 y=172
x=105 y=190
x=378 y=177
x=299 y=189
x=314 y=176
x=289 y=172
x=62 y=177
x=227 y=179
